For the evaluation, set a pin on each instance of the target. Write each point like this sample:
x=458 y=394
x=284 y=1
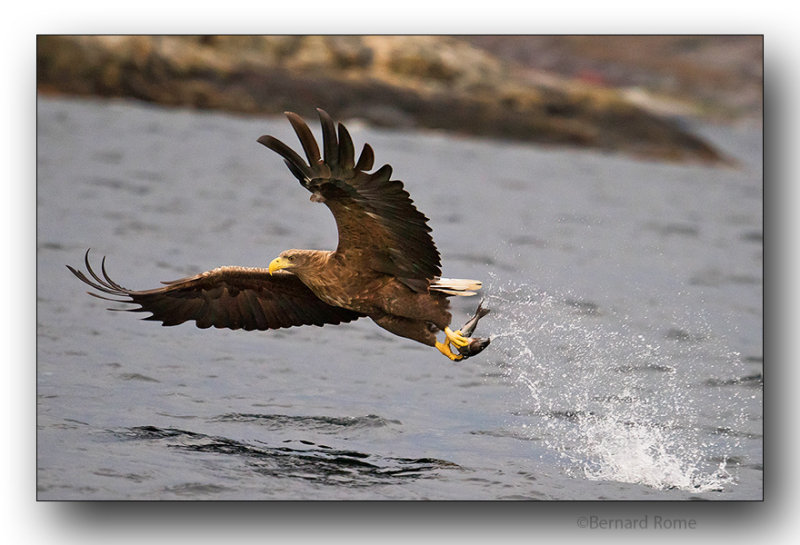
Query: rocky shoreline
x=437 y=82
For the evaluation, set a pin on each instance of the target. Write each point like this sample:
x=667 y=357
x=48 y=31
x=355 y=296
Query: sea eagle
x=385 y=266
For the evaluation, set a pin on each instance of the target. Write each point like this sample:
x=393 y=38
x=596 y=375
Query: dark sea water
x=626 y=360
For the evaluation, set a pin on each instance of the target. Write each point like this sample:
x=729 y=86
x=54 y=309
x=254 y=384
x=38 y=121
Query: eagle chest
x=349 y=288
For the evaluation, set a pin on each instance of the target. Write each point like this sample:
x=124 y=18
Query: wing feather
x=306 y=138
x=365 y=160
x=293 y=160
x=346 y=150
x=226 y=297
x=330 y=144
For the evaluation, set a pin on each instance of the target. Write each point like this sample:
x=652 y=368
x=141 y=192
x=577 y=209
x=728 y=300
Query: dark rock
x=437 y=82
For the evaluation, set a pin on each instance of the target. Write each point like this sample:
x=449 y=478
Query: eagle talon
x=456 y=337
x=444 y=348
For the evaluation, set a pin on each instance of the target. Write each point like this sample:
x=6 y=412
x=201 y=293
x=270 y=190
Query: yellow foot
x=444 y=348
x=456 y=337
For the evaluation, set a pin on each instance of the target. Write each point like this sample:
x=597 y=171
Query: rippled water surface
x=626 y=360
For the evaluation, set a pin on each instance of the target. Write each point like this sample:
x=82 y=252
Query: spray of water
x=610 y=403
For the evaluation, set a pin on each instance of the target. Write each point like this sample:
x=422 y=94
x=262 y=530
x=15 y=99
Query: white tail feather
x=456 y=286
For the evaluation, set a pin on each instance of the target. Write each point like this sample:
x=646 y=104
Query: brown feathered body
x=391 y=303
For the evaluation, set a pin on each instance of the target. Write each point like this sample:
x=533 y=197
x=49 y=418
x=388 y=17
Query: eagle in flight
x=386 y=265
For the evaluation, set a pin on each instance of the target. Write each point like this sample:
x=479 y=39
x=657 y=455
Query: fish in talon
x=469 y=327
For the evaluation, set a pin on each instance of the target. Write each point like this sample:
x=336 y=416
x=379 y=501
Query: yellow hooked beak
x=277 y=264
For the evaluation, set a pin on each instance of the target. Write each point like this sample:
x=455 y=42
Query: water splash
x=613 y=404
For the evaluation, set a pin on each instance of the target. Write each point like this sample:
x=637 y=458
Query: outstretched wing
x=226 y=297
x=379 y=226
